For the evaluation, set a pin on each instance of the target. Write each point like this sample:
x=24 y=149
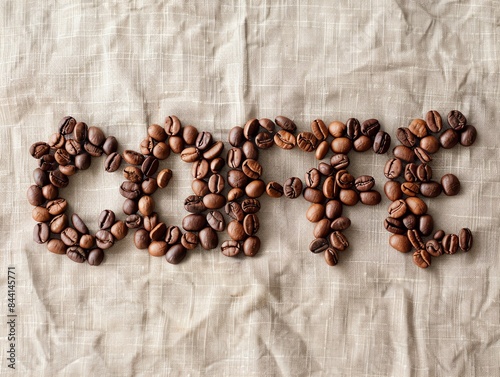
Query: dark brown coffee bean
x=285 y=123
x=236 y=137
x=56 y=140
x=208 y=238
x=457 y=120
x=157 y=248
x=92 y=149
x=339 y=161
x=465 y=239
x=430 y=144
x=194 y=222
x=106 y=219
x=132 y=157
x=426 y=224
x=397 y=209
x=146 y=205
x=234 y=157
x=424 y=172
x=163 y=178
x=400 y=242
x=200 y=169
x=450 y=184
x=326 y=169
x=322 y=150
x=364 y=183
x=393 y=168
x=216 y=221
x=344 y=179
x=370 y=198
x=216 y=183
x=406 y=137
x=251 y=246
x=110 y=145
x=255 y=189
x=362 y=144
x=322 y=228
x=76 y=254
x=274 y=189
x=353 y=128
x=382 y=142
x=73 y=147
x=176 y=254
x=395 y=226
x=216 y=165
x=251 y=224
x=172 y=125
x=340 y=223
x=133 y=174
x=337 y=128
x=112 y=162
x=48 y=163
x=203 y=140
x=264 y=140
x=119 y=230
x=312 y=178
x=449 y=138
x=267 y=124
x=292 y=187
x=58 y=179
x=56 y=246
x=370 y=127
x=173 y=235
x=158 y=232
x=157 y=132
x=35 y=195
x=176 y=144
x=319 y=129
x=200 y=187
x=331 y=189
x=62 y=157
x=70 y=236
x=468 y=136
x=80 y=132
x=149 y=186
x=404 y=153
x=57 y=206
x=307 y=141
x=79 y=224
x=189 y=240
x=189 y=134
x=422 y=258
x=214 y=151
x=410 y=221
x=434 y=248
x=151 y=221
x=150 y=166
x=147 y=146
x=341 y=145
x=41 y=233
x=422 y=155
x=50 y=192
x=214 y=201
x=133 y=221
x=40 y=177
x=251 y=129
x=194 y=204
x=416 y=206
x=250 y=205
x=434 y=121
x=141 y=239
x=161 y=151
x=331 y=256
x=69 y=170
x=230 y=248
x=95 y=136
x=313 y=195
x=392 y=190
x=438 y=236
x=234 y=210
x=315 y=212
x=252 y=168
x=104 y=239
x=66 y=125
x=40 y=214
x=338 y=241
x=418 y=127
x=284 y=139
x=236 y=178
x=410 y=173
x=410 y=188
x=450 y=243
x=318 y=245
x=333 y=209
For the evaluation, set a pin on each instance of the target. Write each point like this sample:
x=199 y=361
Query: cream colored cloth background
x=125 y=65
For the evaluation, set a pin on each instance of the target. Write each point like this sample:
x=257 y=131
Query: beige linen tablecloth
x=125 y=65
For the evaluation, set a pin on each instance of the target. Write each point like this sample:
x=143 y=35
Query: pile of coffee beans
x=68 y=151
x=410 y=175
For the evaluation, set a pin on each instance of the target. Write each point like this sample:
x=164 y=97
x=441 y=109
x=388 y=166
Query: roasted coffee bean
x=339 y=161
x=104 y=239
x=40 y=177
x=333 y=209
x=468 y=136
x=397 y=209
x=325 y=169
x=337 y=128
x=203 y=140
x=214 y=201
x=194 y=204
x=422 y=155
x=395 y=226
x=157 y=248
x=84 y=160
x=406 y=137
x=465 y=239
x=410 y=188
x=112 y=162
x=338 y=241
x=264 y=140
x=252 y=168
x=149 y=186
x=163 y=178
x=274 y=189
x=251 y=246
x=284 y=139
x=151 y=221
x=157 y=132
x=424 y=172
x=348 y=197
x=70 y=236
x=214 y=151
x=234 y=157
x=415 y=238
x=158 y=232
x=189 y=134
x=341 y=145
x=172 y=125
x=66 y=125
x=370 y=198
x=133 y=221
x=194 y=222
x=56 y=140
x=62 y=157
x=57 y=206
x=73 y=147
x=176 y=254
x=312 y=178
x=292 y=187
x=146 y=205
x=208 y=238
x=340 y=223
x=404 y=153
x=307 y=141
x=150 y=166
x=39 y=149
x=58 y=179
x=353 y=128
x=251 y=224
x=392 y=190
x=132 y=157
x=449 y=138
x=450 y=243
x=234 y=210
x=87 y=241
x=236 y=178
x=418 y=127
x=251 y=128
x=434 y=248
x=50 y=192
x=40 y=214
x=393 y=168
x=319 y=129
x=255 y=188
x=434 y=121
x=344 y=179
x=416 y=206
x=400 y=242
x=119 y=230
x=199 y=187
x=426 y=224
x=141 y=239
x=236 y=137
x=41 y=233
x=318 y=245
x=147 y=145
x=430 y=144
x=438 y=236
x=176 y=144
x=35 y=195
x=457 y=120
x=216 y=221
x=230 y=248
x=315 y=212
x=422 y=258
x=200 y=169
x=68 y=170
x=79 y=224
x=216 y=165
x=95 y=136
x=106 y=219
x=189 y=240
x=285 y=123
x=331 y=256
x=410 y=173
x=322 y=150
x=370 y=127
x=110 y=145
x=250 y=205
x=382 y=142
x=322 y=228
x=216 y=183
x=56 y=246
x=410 y=221
x=161 y=151
x=173 y=235
x=48 y=163
x=362 y=144
x=364 y=183
x=76 y=254
x=450 y=184
x=267 y=124
x=92 y=149
x=313 y=195
x=133 y=174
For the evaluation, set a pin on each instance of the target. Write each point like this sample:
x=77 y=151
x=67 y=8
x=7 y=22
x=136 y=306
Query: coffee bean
x=234 y=157
x=176 y=254
x=468 y=136
x=87 y=241
x=216 y=183
x=450 y=184
x=424 y=172
x=382 y=142
x=133 y=221
x=157 y=132
x=284 y=139
x=92 y=149
x=163 y=178
x=56 y=140
x=465 y=239
x=230 y=248
x=235 y=230
x=333 y=209
x=62 y=157
x=434 y=248
x=322 y=228
x=147 y=145
x=190 y=154
x=133 y=174
x=216 y=165
x=406 y=137
x=326 y=169
x=141 y=239
x=416 y=206
x=438 y=236
x=189 y=240
x=70 y=236
x=422 y=258
x=104 y=239
x=410 y=188
x=68 y=170
x=449 y=138
x=146 y=205
x=250 y=205
x=41 y=233
x=119 y=230
x=200 y=187
x=274 y=189
x=236 y=178
x=267 y=124
x=112 y=162
x=315 y=212
x=450 y=243
x=307 y=141
x=430 y=144
x=151 y=221
x=57 y=206
x=422 y=155
x=255 y=188
x=331 y=256
x=400 y=242
x=194 y=222
x=370 y=198
x=457 y=120
x=35 y=195
x=410 y=173
x=393 y=168
x=341 y=145
x=318 y=245
x=132 y=157
x=319 y=129
x=110 y=145
x=39 y=149
x=338 y=241
x=50 y=192
x=66 y=125
x=48 y=163
x=322 y=150
x=252 y=168
x=40 y=177
x=285 y=123
x=362 y=144
x=344 y=180
x=161 y=151
x=172 y=125
x=251 y=224
x=234 y=210
x=397 y=209
x=410 y=221
x=415 y=238
x=76 y=254
x=392 y=190
x=251 y=246
x=364 y=183
x=426 y=224
x=79 y=224
x=394 y=226
x=194 y=204
x=251 y=129
x=208 y=238
x=95 y=136
x=404 y=153
x=214 y=201
x=189 y=134
x=353 y=128
x=337 y=128
x=157 y=248
x=340 y=223
x=173 y=235
x=40 y=214
x=214 y=151
x=106 y=219
x=236 y=137
x=73 y=147
x=418 y=127
x=264 y=140
x=370 y=127
x=348 y=197
x=150 y=166
x=58 y=179
x=312 y=178
x=216 y=221
x=203 y=140
x=313 y=195
x=292 y=187
x=434 y=122
x=56 y=246
x=149 y=185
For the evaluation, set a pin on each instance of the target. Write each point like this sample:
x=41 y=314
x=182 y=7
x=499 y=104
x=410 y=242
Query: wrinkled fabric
x=125 y=65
